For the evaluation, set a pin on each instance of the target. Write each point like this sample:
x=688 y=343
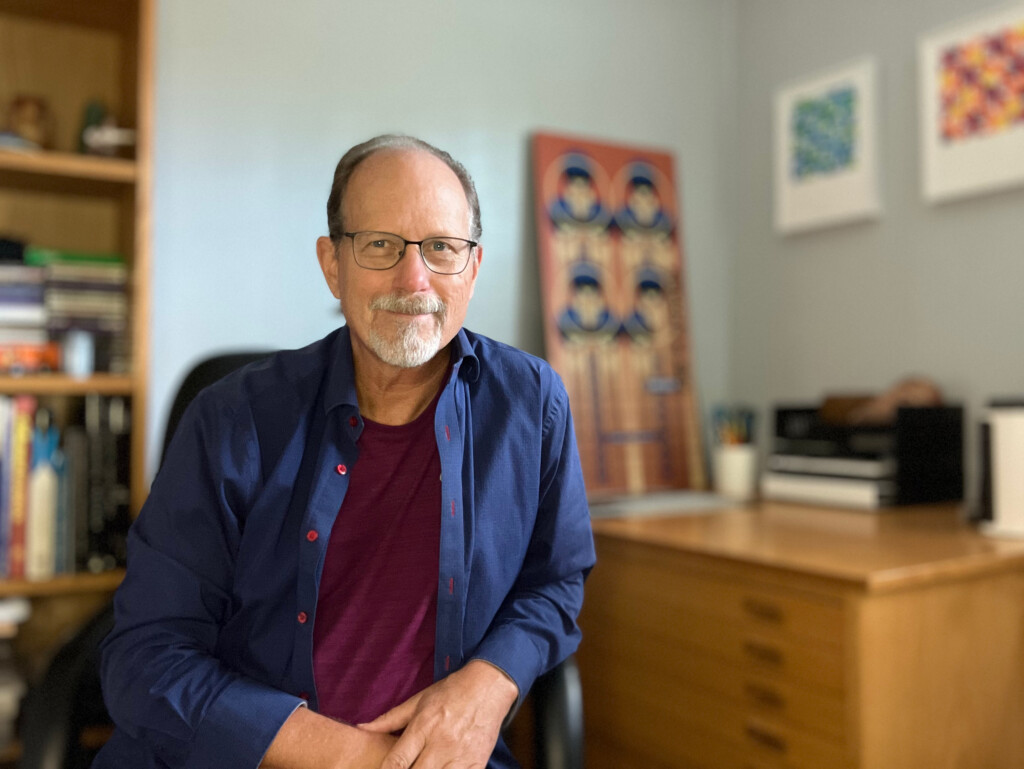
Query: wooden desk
x=804 y=638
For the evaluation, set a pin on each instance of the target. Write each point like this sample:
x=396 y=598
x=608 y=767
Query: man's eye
x=378 y=244
x=439 y=245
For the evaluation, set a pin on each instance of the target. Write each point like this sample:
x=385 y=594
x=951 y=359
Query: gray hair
x=351 y=160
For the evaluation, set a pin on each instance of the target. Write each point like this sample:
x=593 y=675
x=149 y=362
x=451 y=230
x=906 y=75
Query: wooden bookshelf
x=69 y=54
x=67 y=584
x=66 y=165
x=61 y=384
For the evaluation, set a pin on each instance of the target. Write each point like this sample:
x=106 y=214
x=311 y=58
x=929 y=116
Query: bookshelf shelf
x=60 y=384
x=68 y=584
x=66 y=165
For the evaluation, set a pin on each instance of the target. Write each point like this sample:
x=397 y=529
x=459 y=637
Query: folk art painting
x=615 y=312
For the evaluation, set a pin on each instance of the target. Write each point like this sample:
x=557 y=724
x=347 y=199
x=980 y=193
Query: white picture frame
x=958 y=158
x=826 y=149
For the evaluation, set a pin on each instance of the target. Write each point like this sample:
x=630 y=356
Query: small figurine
x=100 y=133
x=28 y=116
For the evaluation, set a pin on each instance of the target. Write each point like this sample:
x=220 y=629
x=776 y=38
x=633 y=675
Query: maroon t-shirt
x=373 y=642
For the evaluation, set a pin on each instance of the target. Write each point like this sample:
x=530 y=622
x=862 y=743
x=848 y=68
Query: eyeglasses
x=383 y=250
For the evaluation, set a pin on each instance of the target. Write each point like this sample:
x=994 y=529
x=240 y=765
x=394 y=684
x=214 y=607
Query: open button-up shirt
x=212 y=647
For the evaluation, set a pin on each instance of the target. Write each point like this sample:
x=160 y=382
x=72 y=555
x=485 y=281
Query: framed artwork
x=826 y=152
x=615 y=312
x=972 y=105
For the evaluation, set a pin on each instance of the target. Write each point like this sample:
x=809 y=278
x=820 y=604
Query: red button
x=303 y=695
x=302 y=618
x=353 y=421
x=341 y=469
x=311 y=535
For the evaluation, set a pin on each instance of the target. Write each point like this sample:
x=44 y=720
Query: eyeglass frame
x=405 y=247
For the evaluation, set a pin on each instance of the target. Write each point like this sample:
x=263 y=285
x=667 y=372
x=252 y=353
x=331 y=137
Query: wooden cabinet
x=799 y=638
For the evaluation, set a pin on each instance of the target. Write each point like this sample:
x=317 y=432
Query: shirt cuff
x=512 y=651
x=240 y=725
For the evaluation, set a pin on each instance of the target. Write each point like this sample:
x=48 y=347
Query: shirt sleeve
x=162 y=680
x=535 y=628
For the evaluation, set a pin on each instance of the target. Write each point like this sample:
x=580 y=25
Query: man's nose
x=411 y=273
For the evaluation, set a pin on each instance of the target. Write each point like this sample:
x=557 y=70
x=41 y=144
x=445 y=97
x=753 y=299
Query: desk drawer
x=657 y=578
x=771 y=695
x=681 y=725
x=766 y=652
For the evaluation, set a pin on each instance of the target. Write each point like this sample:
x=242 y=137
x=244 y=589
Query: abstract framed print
x=826 y=149
x=972 y=105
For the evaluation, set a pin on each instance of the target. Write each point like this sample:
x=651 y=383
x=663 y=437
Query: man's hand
x=308 y=740
x=453 y=724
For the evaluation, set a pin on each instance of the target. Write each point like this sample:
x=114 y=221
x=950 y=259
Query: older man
x=384 y=533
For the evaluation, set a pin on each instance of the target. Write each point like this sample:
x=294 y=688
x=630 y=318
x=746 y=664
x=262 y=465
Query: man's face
x=644 y=204
x=403 y=316
x=580 y=197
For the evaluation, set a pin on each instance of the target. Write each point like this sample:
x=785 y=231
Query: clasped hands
x=452 y=724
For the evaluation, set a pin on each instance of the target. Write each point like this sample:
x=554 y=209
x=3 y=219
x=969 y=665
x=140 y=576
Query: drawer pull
x=764 y=696
x=763 y=653
x=766 y=612
x=765 y=738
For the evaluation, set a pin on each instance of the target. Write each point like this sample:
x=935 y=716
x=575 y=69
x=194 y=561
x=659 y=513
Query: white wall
x=926 y=289
x=256 y=101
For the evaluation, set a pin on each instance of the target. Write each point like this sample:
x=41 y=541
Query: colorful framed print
x=826 y=154
x=615 y=312
x=972 y=105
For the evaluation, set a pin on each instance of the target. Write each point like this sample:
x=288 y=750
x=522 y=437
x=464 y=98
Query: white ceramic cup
x=735 y=467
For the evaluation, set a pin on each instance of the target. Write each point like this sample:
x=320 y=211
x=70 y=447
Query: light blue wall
x=257 y=100
x=925 y=289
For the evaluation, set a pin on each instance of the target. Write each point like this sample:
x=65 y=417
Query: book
x=108 y=508
x=844 y=467
x=43 y=491
x=860 y=493
x=38 y=256
x=6 y=408
x=76 y=494
x=22 y=420
x=29 y=358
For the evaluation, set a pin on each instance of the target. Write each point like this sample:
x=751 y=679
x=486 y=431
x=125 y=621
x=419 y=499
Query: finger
x=404 y=752
x=393 y=720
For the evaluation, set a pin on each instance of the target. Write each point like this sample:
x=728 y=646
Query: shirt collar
x=341 y=381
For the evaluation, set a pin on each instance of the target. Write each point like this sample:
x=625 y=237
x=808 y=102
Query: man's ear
x=476 y=259
x=327 y=255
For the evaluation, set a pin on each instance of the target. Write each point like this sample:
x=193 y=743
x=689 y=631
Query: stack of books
x=86 y=292
x=915 y=459
x=25 y=346
x=64 y=501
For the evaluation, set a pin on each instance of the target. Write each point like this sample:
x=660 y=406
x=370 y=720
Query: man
x=388 y=526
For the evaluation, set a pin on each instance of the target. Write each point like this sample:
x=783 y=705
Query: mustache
x=409 y=305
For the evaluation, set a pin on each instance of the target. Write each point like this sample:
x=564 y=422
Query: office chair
x=69 y=698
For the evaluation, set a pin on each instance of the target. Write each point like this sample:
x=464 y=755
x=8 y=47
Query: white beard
x=408 y=347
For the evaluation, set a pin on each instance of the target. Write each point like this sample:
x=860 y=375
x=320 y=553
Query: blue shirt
x=212 y=647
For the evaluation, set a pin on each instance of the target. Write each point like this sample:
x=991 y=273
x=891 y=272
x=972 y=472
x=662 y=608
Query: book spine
x=5 y=484
x=21 y=457
x=41 y=522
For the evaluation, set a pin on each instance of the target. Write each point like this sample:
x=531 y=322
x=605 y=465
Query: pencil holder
x=735 y=467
